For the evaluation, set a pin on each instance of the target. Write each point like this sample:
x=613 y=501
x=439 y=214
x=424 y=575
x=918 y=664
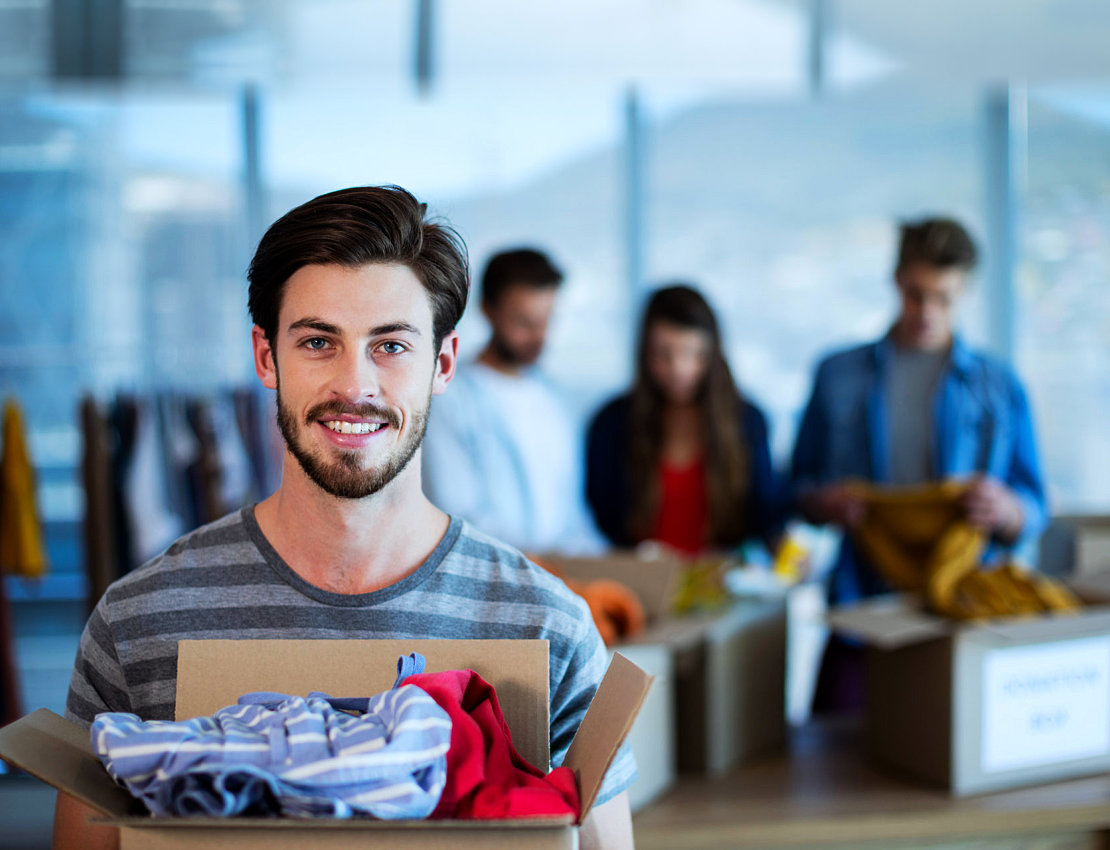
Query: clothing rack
x=157 y=465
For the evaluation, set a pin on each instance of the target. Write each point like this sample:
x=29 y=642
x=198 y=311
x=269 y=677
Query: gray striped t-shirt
x=225 y=580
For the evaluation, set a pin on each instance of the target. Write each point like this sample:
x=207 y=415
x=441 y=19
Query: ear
x=446 y=361
x=265 y=364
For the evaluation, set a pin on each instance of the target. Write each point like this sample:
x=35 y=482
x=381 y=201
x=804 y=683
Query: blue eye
x=316 y=343
x=392 y=347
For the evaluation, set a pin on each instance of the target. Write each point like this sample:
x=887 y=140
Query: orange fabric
x=616 y=610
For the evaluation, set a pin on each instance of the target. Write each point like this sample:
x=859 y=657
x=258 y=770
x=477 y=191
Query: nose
x=356 y=377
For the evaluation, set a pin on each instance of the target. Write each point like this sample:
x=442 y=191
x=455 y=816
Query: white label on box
x=1046 y=703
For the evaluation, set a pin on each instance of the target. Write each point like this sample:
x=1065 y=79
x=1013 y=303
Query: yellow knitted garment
x=21 y=548
x=919 y=540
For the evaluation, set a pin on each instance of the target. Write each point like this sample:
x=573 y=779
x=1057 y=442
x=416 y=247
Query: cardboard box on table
x=213 y=674
x=984 y=707
x=727 y=673
x=652 y=737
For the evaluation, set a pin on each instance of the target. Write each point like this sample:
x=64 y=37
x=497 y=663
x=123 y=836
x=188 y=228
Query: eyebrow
x=328 y=328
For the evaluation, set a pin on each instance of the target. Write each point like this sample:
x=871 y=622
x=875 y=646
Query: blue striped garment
x=298 y=757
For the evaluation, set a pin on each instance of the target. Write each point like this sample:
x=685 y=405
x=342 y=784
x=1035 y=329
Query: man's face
x=518 y=322
x=357 y=371
x=928 y=295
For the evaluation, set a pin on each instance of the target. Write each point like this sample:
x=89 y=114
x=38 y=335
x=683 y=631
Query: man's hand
x=72 y=830
x=993 y=508
x=839 y=504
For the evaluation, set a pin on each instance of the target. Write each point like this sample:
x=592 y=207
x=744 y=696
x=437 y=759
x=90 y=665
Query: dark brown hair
x=939 y=242
x=352 y=228
x=726 y=456
x=521 y=266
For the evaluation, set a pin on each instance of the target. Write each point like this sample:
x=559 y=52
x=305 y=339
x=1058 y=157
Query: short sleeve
x=97 y=683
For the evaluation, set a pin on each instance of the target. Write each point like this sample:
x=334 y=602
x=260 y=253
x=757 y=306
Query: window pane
x=785 y=214
x=1064 y=304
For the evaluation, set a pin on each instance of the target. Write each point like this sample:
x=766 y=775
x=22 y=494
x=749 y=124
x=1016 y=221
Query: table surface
x=822 y=791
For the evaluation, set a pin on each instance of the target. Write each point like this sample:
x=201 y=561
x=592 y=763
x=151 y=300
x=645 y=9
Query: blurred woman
x=682 y=458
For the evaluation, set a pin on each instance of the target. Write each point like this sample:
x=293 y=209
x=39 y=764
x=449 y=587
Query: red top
x=683 y=519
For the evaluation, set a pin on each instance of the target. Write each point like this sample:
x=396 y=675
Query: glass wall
x=786 y=215
x=121 y=269
x=126 y=240
x=1063 y=331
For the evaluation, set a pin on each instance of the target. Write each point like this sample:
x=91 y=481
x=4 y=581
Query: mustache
x=361 y=411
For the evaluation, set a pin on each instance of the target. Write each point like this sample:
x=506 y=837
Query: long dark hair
x=726 y=456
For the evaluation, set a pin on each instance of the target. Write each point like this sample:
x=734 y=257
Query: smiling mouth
x=343 y=427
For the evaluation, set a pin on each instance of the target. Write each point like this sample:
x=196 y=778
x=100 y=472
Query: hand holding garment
x=920 y=540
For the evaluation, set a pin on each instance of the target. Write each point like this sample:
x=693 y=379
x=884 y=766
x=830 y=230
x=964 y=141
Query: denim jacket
x=981 y=424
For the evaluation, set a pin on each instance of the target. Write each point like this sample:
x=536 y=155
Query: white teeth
x=353 y=427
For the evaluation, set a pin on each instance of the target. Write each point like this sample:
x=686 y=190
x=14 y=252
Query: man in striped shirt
x=355 y=297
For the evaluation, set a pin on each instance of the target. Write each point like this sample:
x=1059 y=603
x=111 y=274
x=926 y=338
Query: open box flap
x=605 y=726
x=888 y=622
x=59 y=753
x=891 y=622
x=1050 y=626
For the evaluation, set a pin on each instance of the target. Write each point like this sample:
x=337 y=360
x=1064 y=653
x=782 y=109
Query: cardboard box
x=983 y=707
x=653 y=580
x=212 y=674
x=728 y=670
x=652 y=735
x=1075 y=544
x=729 y=683
x=652 y=738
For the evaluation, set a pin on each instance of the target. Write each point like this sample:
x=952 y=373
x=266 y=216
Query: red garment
x=683 y=519
x=486 y=777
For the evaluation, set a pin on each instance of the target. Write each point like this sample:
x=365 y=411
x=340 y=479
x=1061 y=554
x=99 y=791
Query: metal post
x=634 y=195
x=87 y=39
x=818 y=36
x=253 y=196
x=1004 y=113
x=424 y=30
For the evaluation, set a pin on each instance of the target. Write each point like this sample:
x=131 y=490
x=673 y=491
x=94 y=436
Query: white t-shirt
x=504 y=453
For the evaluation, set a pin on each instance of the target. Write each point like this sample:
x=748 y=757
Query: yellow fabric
x=21 y=548
x=700 y=587
x=912 y=534
x=919 y=540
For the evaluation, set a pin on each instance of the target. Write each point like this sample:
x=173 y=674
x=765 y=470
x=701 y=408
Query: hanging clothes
x=150 y=516
x=21 y=545
x=100 y=521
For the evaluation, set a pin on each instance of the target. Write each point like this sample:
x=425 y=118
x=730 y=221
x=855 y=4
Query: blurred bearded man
x=504 y=451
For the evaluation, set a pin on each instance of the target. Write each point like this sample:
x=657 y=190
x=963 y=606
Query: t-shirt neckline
x=348 y=600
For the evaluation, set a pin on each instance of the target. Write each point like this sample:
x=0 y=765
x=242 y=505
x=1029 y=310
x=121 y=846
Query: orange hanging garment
x=21 y=547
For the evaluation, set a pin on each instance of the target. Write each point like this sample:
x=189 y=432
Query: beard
x=343 y=475
x=515 y=355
